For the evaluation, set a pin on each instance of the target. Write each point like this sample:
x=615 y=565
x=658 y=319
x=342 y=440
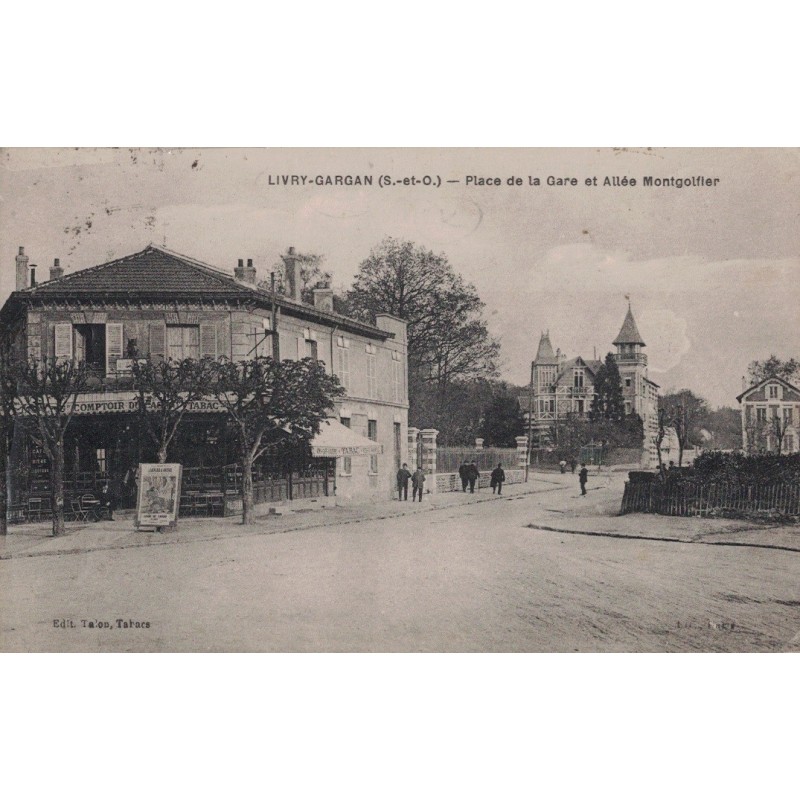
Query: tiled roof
x=151 y=271
x=629 y=334
x=157 y=272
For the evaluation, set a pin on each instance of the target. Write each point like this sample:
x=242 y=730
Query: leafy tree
x=725 y=427
x=264 y=398
x=773 y=367
x=687 y=414
x=165 y=390
x=503 y=421
x=46 y=394
x=608 y=400
x=448 y=339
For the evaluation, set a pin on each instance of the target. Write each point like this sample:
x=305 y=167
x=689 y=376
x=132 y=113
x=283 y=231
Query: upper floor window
x=577 y=378
x=372 y=371
x=761 y=414
x=628 y=383
x=788 y=416
x=343 y=361
x=397 y=377
x=183 y=341
x=773 y=391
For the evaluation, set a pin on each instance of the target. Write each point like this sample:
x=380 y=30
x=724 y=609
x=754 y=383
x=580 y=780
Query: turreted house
x=164 y=305
x=564 y=387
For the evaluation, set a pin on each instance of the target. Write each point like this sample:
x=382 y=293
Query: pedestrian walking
x=473 y=476
x=583 y=476
x=497 y=479
x=403 y=477
x=572 y=464
x=417 y=484
x=463 y=473
x=563 y=465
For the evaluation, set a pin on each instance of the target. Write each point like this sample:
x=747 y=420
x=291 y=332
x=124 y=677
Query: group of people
x=468 y=472
x=417 y=483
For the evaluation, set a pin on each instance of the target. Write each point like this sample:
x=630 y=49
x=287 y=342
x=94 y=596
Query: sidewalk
x=35 y=539
x=597 y=514
x=559 y=508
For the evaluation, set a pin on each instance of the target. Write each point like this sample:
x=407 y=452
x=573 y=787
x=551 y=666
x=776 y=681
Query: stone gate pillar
x=429 y=455
x=479 y=444
x=522 y=451
x=413 y=434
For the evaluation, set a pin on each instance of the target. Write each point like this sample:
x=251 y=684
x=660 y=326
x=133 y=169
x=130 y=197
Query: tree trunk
x=3 y=487
x=248 y=510
x=162 y=454
x=57 y=487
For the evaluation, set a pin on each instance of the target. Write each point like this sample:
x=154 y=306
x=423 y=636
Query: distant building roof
x=629 y=334
x=764 y=382
x=545 y=353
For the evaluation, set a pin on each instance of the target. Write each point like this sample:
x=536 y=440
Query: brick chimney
x=33 y=275
x=250 y=273
x=292 y=274
x=323 y=298
x=238 y=273
x=22 y=270
x=56 y=271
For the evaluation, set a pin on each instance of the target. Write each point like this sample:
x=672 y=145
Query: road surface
x=460 y=579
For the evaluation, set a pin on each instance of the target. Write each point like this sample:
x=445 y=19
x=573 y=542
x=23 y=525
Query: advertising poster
x=159 y=495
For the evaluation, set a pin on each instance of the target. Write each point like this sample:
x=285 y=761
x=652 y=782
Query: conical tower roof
x=629 y=334
x=545 y=354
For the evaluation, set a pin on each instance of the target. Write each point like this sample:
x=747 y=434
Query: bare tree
x=165 y=391
x=686 y=413
x=778 y=427
x=8 y=394
x=46 y=394
x=264 y=398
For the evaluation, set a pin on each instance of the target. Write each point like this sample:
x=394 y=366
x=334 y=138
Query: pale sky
x=712 y=272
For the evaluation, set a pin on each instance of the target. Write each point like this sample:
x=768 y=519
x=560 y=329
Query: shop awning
x=335 y=440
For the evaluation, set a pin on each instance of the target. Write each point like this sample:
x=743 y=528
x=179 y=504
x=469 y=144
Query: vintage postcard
x=400 y=400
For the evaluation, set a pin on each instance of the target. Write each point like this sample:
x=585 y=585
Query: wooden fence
x=690 y=499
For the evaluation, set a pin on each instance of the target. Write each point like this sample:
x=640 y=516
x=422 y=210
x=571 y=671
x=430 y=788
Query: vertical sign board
x=159 y=496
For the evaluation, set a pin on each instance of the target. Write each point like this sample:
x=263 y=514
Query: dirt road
x=471 y=578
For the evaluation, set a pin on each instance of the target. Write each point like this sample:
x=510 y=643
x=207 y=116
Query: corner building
x=166 y=305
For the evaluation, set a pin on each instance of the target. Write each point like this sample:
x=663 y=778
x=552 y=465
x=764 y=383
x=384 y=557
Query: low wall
x=451 y=482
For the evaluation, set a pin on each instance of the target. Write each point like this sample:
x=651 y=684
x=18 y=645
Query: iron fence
x=689 y=499
x=449 y=459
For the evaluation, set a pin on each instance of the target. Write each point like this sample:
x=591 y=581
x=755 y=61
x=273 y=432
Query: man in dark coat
x=417 y=484
x=403 y=477
x=583 y=476
x=498 y=478
x=463 y=473
x=473 y=475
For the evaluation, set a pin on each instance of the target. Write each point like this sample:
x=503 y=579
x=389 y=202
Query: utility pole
x=530 y=426
x=276 y=345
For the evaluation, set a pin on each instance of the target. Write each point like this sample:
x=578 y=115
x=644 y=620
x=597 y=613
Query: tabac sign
x=127 y=402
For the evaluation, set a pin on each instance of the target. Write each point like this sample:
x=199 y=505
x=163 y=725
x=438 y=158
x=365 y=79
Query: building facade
x=165 y=305
x=564 y=387
x=770 y=417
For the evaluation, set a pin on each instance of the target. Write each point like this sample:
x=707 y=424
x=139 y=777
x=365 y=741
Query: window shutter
x=113 y=345
x=208 y=340
x=63 y=341
x=158 y=335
